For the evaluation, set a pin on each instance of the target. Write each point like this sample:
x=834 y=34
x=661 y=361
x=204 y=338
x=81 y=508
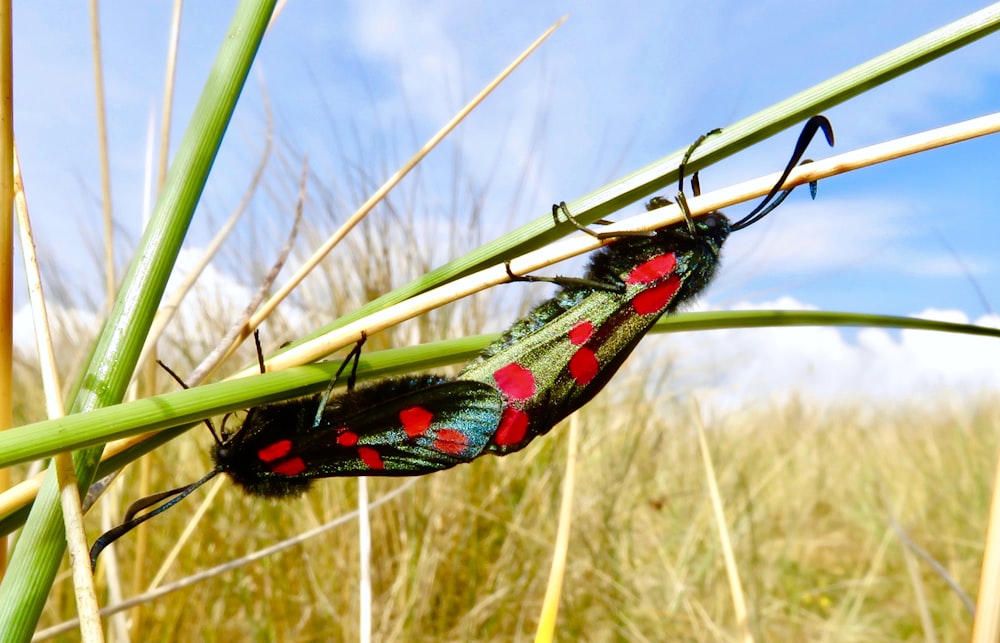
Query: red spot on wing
x=346 y=438
x=656 y=298
x=416 y=420
x=513 y=427
x=515 y=381
x=290 y=467
x=581 y=332
x=451 y=441
x=370 y=457
x=274 y=451
x=583 y=366
x=653 y=269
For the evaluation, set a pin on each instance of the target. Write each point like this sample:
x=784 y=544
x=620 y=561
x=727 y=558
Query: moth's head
x=711 y=229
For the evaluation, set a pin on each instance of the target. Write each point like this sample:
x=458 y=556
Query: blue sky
x=617 y=87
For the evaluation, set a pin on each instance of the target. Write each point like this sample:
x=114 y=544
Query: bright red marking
x=513 y=427
x=346 y=438
x=516 y=381
x=292 y=467
x=274 y=451
x=656 y=298
x=416 y=420
x=450 y=441
x=656 y=268
x=581 y=332
x=370 y=457
x=583 y=366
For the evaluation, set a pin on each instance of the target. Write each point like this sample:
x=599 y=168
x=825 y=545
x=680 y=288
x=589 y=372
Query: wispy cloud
x=733 y=367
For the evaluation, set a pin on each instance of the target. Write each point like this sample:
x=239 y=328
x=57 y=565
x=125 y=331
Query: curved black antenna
x=695 y=183
x=183 y=384
x=260 y=351
x=813 y=125
x=687 y=157
x=131 y=522
x=352 y=358
x=223 y=434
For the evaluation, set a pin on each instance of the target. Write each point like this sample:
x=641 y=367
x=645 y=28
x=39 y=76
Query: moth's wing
x=559 y=357
x=416 y=432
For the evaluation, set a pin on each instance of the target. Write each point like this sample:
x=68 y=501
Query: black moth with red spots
x=558 y=357
x=403 y=426
x=546 y=366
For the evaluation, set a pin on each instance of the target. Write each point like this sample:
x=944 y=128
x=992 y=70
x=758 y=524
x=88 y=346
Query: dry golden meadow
x=823 y=508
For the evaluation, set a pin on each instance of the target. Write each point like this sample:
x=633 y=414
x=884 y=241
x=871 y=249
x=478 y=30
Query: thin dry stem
x=278 y=8
x=938 y=568
x=920 y=594
x=986 y=628
x=79 y=559
x=545 y=632
x=236 y=333
x=364 y=563
x=389 y=184
x=83 y=581
x=51 y=385
x=167 y=107
x=110 y=281
x=21 y=494
x=6 y=237
x=725 y=541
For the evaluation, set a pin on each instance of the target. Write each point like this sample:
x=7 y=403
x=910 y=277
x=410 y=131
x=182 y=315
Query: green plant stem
x=40 y=549
x=31 y=442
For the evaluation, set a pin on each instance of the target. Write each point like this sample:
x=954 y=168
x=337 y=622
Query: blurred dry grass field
x=810 y=498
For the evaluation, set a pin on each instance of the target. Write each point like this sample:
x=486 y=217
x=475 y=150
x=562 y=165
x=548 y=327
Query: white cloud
x=63 y=322
x=416 y=41
x=733 y=367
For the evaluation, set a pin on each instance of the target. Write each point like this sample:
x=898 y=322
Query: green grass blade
x=41 y=439
x=30 y=442
x=770 y=318
x=39 y=551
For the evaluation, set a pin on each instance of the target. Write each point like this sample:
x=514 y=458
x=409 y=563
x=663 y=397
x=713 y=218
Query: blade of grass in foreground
x=768 y=318
x=37 y=440
x=39 y=551
x=33 y=441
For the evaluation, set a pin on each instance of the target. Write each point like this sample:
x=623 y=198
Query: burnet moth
x=548 y=364
x=400 y=426
x=558 y=357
